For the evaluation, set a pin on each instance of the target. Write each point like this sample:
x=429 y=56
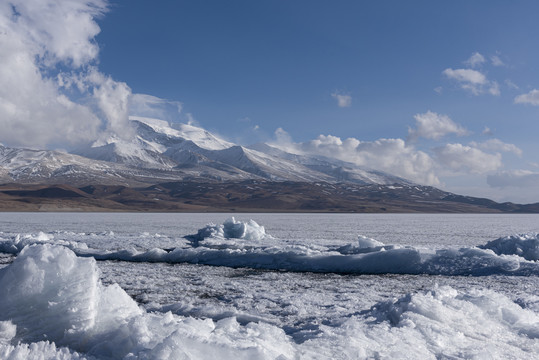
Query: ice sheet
x=56 y=306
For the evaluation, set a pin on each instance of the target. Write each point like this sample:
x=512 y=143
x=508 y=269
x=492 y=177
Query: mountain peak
x=197 y=135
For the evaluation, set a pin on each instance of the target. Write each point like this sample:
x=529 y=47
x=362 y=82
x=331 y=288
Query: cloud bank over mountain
x=52 y=93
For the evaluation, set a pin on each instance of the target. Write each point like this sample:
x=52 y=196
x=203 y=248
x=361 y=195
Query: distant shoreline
x=247 y=197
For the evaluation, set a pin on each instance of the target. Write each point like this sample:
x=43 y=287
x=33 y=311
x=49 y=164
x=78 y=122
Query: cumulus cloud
x=531 y=98
x=475 y=60
x=466 y=159
x=394 y=156
x=514 y=178
x=37 y=106
x=343 y=100
x=469 y=76
x=431 y=125
x=497 y=145
x=473 y=81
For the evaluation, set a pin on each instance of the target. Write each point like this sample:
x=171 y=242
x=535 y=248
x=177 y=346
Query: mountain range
x=160 y=152
x=152 y=166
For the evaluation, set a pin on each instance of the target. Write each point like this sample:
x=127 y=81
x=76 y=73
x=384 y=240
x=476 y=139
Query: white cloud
x=343 y=100
x=515 y=178
x=511 y=85
x=37 y=38
x=191 y=119
x=439 y=90
x=475 y=60
x=494 y=88
x=487 y=131
x=466 y=159
x=431 y=125
x=497 y=145
x=531 y=98
x=466 y=76
x=473 y=81
x=496 y=61
x=113 y=99
x=284 y=140
x=390 y=155
x=154 y=107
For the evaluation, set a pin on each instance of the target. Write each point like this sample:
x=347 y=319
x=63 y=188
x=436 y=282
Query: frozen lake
x=413 y=286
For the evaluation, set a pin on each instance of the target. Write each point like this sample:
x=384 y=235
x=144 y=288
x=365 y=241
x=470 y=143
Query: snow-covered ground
x=281 y=286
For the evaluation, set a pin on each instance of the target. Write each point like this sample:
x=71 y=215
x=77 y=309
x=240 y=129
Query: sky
x=444 y=93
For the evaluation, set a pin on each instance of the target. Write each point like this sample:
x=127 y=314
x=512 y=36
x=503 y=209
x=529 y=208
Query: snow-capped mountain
x=337 y=169
x=157 y=151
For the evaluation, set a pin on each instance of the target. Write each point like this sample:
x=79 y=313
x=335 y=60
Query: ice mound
x=441 y=323
x=231 y=229
x=51 y=294
x=51 y=298
x=526 y=246
x=475 y=324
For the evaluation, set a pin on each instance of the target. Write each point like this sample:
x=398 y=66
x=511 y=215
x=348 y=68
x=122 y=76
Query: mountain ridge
x=160 y=152
x=249 y=196
x=148 y=171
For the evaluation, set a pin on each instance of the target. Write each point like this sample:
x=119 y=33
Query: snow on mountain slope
x=27 y=165
x=264 y=165
x=337 y=169
x=202 y=138
x=53 y=167
x=137 y=152
x=158 y=144
x=158 y=151
x=152 y=139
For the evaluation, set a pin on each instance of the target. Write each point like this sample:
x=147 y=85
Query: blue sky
x=278 y=62
x=441 y=92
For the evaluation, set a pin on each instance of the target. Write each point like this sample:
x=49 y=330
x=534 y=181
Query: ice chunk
x=441 y=323
x=51 y=294
x=231 y=229
x=526 y=246
x=50 y=297
x=368 y=243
